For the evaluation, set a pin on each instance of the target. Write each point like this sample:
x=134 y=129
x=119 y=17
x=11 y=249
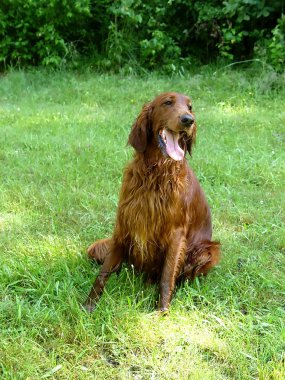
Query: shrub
x=247 y=23
x=277 y=45
x=156 y=34
x=40 y=32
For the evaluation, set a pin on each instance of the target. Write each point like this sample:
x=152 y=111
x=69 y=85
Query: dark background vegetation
x=140 y=34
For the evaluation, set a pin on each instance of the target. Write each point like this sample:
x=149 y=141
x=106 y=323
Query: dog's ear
x=189 y=140
x=141 y=129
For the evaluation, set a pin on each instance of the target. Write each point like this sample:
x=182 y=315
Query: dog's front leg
x=174 y=259
x=111 y=264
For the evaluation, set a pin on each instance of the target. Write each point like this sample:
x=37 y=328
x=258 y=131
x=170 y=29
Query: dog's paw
x=88 y=307
x=163 y=311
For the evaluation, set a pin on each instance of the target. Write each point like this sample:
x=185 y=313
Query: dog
x=163 y=226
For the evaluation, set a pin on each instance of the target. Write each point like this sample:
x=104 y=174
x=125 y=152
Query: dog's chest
x=147 y=214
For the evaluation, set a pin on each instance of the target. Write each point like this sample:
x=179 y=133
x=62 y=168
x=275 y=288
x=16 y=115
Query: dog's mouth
x=169 y=144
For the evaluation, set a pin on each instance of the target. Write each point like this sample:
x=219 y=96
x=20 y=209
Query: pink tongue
x=172 y=147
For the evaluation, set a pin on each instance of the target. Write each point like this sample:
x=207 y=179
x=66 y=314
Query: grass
x=63 y=147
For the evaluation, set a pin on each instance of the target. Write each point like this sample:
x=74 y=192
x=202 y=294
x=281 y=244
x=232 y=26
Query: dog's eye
x=168 y=103
x=189 y=107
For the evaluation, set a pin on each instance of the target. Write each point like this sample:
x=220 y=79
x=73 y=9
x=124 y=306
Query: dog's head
x=167 y=122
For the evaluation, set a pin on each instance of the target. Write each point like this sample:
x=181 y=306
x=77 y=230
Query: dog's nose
x=187 y=120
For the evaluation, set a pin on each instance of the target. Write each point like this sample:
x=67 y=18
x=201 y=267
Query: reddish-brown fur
x=163 y=225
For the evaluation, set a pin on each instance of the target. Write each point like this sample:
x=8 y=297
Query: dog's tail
x=99 y=250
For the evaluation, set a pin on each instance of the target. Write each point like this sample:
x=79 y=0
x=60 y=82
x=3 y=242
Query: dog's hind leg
x=99 y=250
x=200 y=258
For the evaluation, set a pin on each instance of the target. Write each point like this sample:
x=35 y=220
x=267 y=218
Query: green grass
x=63 y=147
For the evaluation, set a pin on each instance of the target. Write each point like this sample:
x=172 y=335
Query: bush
x=154 y=34
x=40 y=32
x=277 y=45
x=272 y=49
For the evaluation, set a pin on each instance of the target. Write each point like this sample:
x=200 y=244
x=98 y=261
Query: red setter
x=163 y=225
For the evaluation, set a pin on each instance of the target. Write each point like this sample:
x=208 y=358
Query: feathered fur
x=163 y=224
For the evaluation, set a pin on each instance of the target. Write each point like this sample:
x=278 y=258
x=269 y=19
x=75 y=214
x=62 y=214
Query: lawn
x=63 y=147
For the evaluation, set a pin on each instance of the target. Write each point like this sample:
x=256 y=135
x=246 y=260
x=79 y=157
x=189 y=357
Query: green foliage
x=247 y=24
x=277 y=45
x=153 y=34
x=160 y=48
x=272 y=49
x=41 y=32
